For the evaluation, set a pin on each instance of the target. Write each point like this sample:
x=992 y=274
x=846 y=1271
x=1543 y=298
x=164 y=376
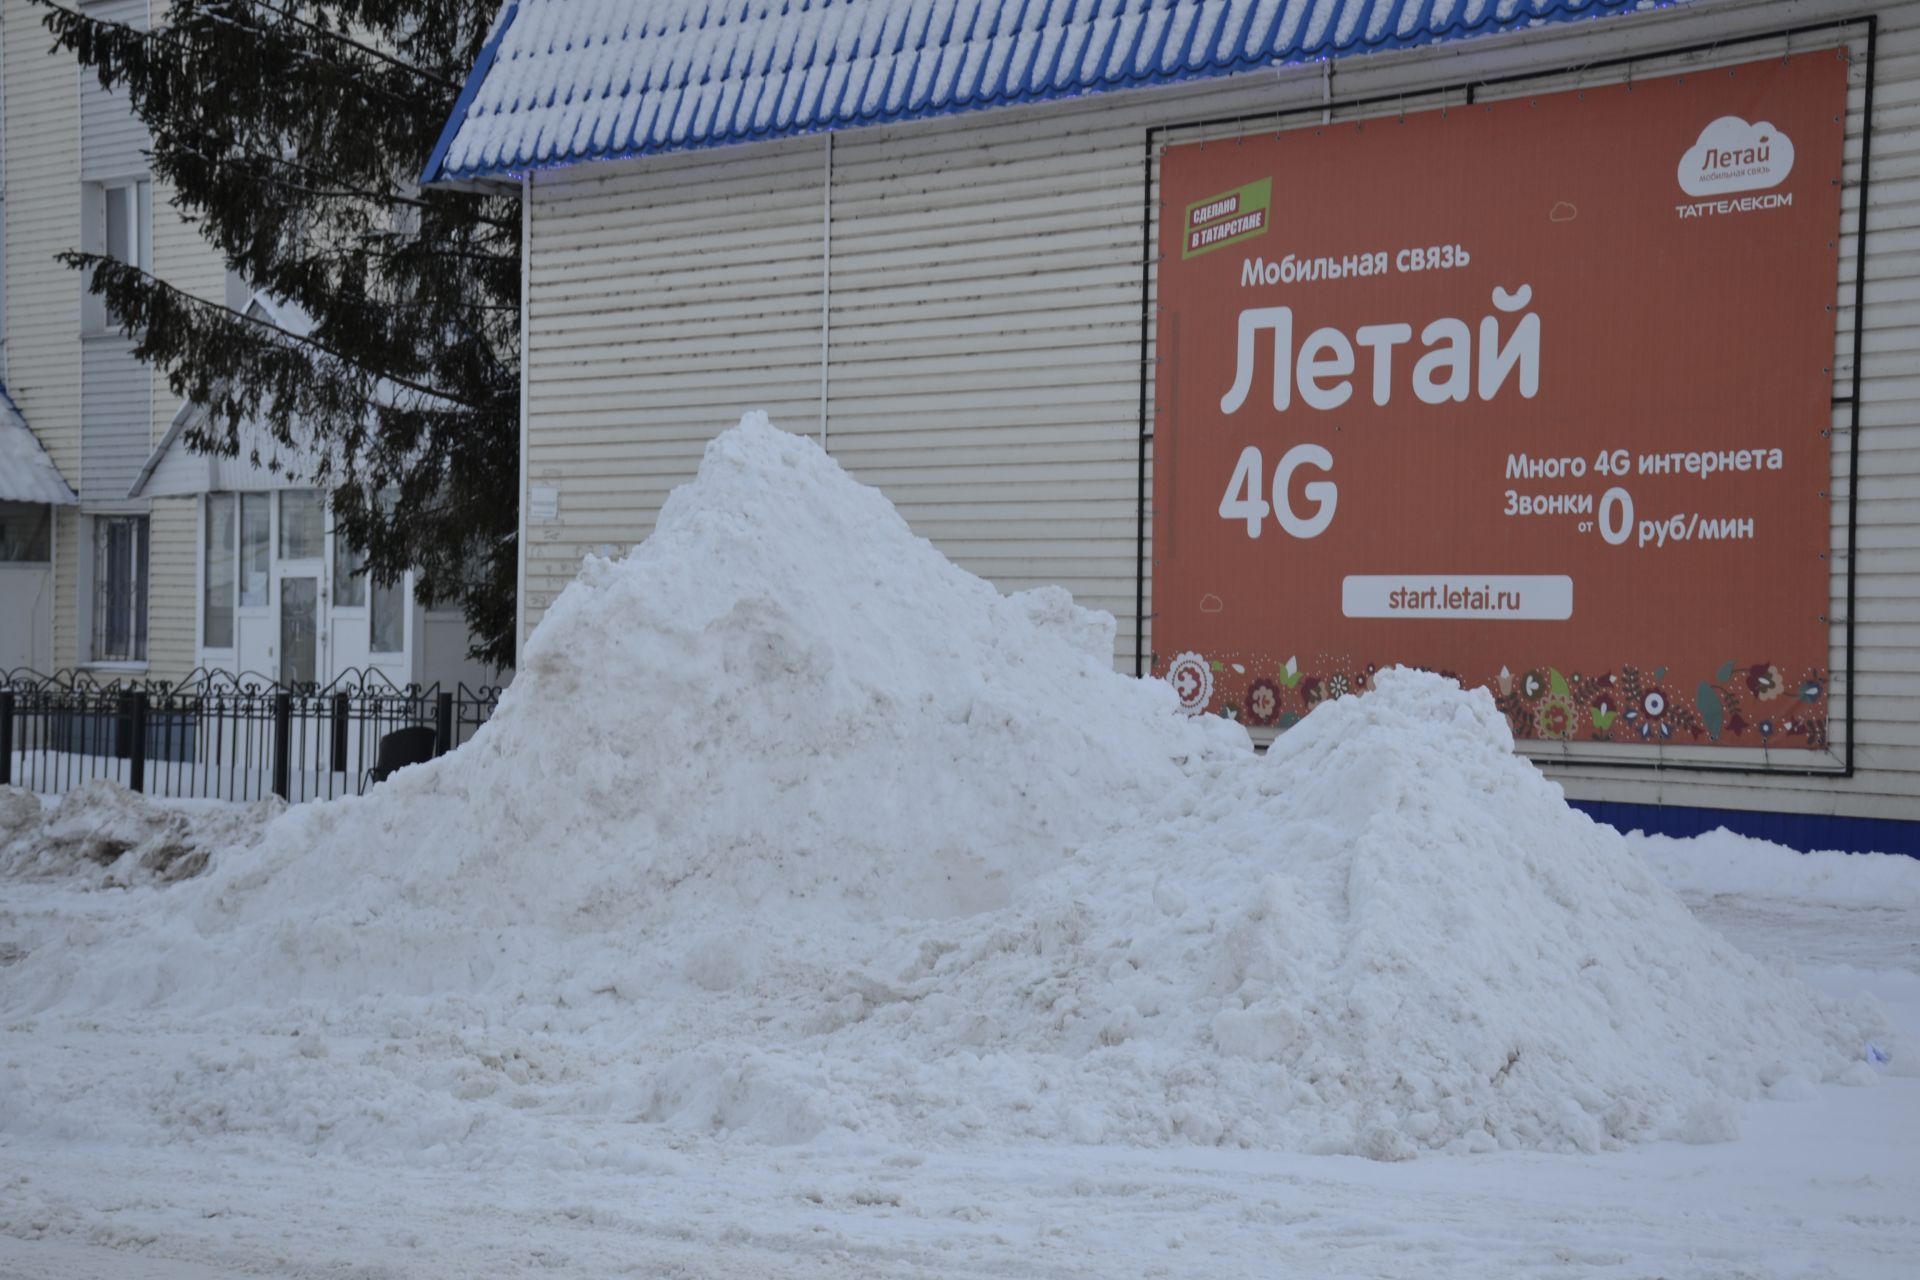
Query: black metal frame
x=218 y=734
x=1844 y=29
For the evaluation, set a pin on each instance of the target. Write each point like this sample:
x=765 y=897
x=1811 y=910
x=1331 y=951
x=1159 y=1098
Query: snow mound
x=104 y=833
x=1390 y=935
x=1722 y=862
x=789 y=828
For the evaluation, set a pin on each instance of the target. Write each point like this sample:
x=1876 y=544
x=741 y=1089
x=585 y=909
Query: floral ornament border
x=1740 y=703
x=1743 y=704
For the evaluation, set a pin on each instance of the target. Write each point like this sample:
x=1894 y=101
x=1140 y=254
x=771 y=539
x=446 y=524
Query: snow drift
x=789 y=828
x=111 y=837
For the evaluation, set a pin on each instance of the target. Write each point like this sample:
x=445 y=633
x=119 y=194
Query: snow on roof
x=27 y=474
x=562 y=81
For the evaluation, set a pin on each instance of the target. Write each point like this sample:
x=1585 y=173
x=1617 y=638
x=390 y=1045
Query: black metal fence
x=218 y=735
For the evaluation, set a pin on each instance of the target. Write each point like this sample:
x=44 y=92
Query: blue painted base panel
x=1803 y=831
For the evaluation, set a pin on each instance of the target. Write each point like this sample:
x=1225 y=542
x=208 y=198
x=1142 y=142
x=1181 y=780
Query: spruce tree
x=291 y=134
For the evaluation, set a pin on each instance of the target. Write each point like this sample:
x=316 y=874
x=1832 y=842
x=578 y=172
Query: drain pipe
x=522 y=549
x=826 y=277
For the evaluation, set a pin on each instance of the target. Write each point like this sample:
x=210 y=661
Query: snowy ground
x=1828 y=1185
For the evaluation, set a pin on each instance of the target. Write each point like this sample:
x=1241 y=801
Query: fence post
x=443 y=724
x=341 y=706
x=137 y=748
x=6 y=737
x=122 y=724
x=282 y=743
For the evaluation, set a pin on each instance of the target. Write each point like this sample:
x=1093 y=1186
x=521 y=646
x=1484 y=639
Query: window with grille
x=119 y=589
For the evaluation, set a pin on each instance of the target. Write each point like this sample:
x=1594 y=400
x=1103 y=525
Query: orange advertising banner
x=1535 y=393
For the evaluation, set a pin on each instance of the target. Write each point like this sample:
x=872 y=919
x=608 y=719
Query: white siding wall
x=184 y=259
x=116 y=391
x=172 y=602
x=985 y=342
x=111 y=137
x=116 y=412
x=43 y=297
x=984 y=322
x=97 y=410
x=634 y=369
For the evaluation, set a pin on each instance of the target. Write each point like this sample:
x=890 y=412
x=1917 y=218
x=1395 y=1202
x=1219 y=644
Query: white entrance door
x=280 y=631
x=300 y=589
x=369 y=626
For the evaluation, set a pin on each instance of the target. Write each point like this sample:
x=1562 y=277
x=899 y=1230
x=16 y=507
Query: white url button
x=1508 y=597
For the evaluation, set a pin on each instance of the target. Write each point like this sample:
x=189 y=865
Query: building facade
x=939 y=248
x=159 y=562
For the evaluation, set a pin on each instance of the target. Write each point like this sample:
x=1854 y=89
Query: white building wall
x=112 y=138
x=184 y=259
x=984 y=330
x=98 y=412
x=173 y=601
x=116 y=411
x=714 y=307
x=42 y=115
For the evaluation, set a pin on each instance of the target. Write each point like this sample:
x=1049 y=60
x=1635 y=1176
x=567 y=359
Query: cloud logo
x=1732 y=155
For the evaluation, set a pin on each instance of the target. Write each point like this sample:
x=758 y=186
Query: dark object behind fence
x=403 y=747
x=223 y=736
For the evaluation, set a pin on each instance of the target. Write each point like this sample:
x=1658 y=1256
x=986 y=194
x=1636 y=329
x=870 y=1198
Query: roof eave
x=435 y=173
x=505 y=182
x=65 y=495
x=505 y=173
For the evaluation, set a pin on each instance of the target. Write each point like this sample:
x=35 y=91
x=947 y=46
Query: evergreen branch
x=61 y=21
x=452 y=86
x=288 y=138
x=243 y=161
x=93 y=261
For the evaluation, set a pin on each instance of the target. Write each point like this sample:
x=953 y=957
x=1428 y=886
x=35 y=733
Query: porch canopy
x=27 y=474
x=261 y=463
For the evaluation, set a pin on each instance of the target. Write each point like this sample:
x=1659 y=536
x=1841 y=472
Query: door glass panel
x=349 y=584
x=301 y=518
x=388 y=625
x=218 y=605
x=299 y=629
x=256 y=546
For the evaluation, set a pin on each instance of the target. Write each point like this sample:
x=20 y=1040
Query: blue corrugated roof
x=564 y=81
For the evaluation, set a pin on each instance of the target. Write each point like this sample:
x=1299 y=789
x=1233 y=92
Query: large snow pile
x=790 y=828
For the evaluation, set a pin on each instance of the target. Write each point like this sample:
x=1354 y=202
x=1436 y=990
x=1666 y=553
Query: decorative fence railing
x=222 y=736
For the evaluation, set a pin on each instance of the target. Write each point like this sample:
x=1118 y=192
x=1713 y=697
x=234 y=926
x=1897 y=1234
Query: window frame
x=402 y=600
x=139 y=593
x=344 y=571
x=207 y=584
x=36 y=519
x=252 y=500
x=136 y=251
